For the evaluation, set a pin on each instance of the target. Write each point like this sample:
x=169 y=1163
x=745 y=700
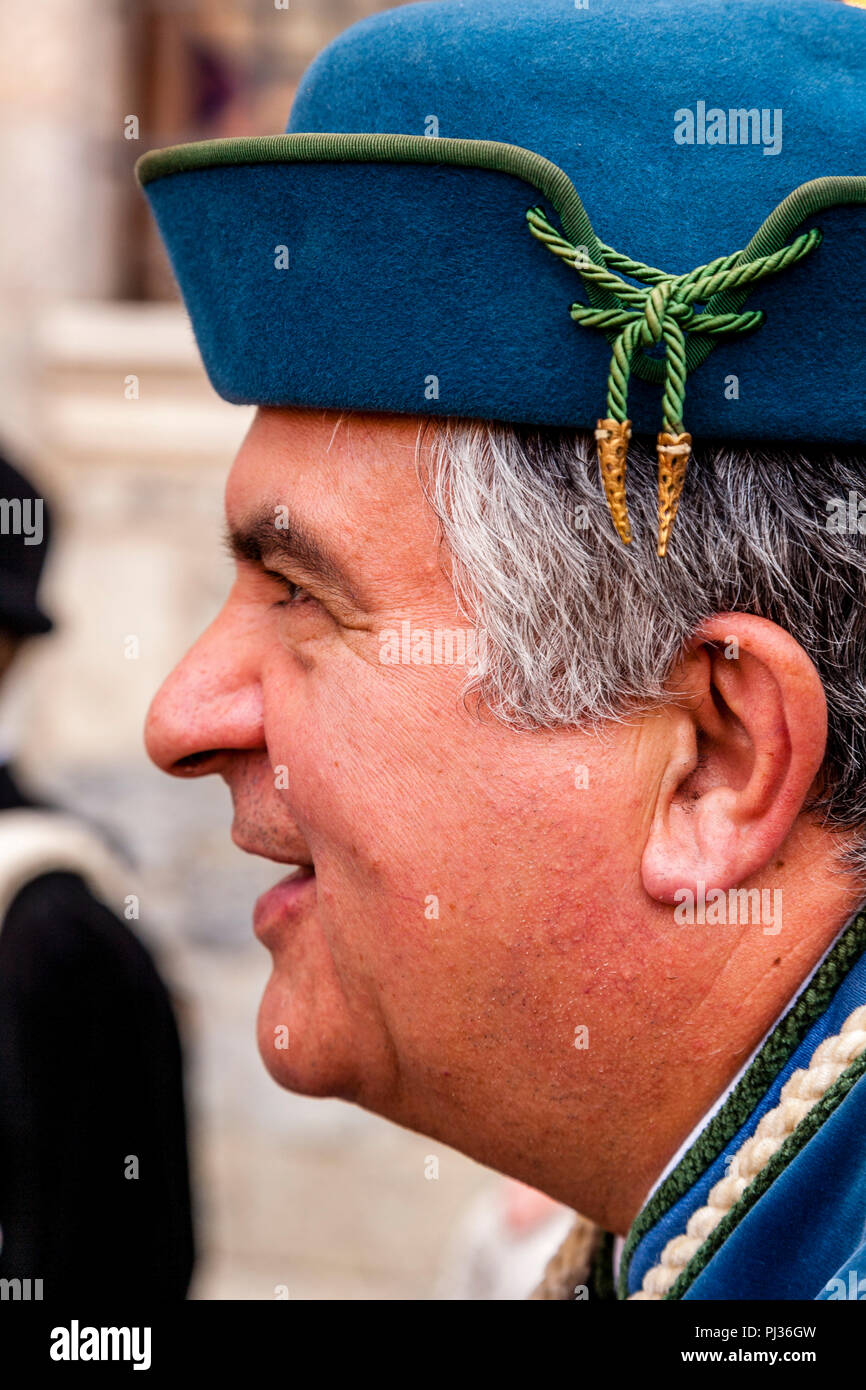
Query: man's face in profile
x=452 y=864
x=479 y=943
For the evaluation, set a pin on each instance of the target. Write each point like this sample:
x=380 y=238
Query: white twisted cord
x=803 y=1089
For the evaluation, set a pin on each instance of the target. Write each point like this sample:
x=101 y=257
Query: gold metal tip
x=612 y=437
x=674 y=452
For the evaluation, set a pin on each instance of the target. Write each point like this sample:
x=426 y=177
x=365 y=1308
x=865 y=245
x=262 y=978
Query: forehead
x=290 y=450
x=351 y=479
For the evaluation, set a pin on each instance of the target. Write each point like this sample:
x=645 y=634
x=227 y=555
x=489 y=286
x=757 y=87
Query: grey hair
x=574 y=628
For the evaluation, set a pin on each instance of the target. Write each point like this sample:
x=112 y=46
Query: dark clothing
x=90 y=1078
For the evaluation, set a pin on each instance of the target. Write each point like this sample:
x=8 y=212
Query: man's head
x=486 y=945
x=577 y=821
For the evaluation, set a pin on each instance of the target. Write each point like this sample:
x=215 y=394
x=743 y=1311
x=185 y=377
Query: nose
x=211 y=704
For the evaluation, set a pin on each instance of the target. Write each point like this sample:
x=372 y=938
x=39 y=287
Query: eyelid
x=332 y=603
x=293 y=587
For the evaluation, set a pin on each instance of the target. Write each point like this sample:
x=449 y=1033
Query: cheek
x=374 y=761
x=387 y=785
x=453 y=859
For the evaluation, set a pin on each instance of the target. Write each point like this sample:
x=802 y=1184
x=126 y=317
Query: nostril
x=194 y=762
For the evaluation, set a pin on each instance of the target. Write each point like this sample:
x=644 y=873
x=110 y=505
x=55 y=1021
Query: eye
x=295 y=594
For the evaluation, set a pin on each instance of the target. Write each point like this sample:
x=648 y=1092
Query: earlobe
x=746 y=738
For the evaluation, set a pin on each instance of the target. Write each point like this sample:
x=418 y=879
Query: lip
x=283 y=904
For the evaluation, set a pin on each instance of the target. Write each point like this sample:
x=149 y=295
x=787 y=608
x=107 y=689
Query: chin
x=316 y=1061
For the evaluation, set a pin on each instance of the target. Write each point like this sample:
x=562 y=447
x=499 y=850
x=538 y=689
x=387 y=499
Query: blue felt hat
x=650 y=211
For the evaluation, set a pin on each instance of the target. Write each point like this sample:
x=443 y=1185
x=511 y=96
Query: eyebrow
x=259 y=540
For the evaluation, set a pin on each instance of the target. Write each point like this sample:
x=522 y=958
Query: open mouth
x=300 y=871
x=280 y=906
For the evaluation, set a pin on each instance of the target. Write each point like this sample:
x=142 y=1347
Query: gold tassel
x=674 y=452
x=612 y=437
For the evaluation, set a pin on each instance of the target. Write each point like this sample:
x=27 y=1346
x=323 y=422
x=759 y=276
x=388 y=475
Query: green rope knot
x=662 y=308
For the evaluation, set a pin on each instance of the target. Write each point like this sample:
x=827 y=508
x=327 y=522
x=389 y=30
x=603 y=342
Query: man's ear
x=748 y=729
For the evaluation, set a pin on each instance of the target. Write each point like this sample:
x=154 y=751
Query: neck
x=709 y=1038
x=719 y=1040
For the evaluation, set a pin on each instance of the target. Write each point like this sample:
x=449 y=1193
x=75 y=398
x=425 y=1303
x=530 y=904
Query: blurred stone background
x=312 y=1195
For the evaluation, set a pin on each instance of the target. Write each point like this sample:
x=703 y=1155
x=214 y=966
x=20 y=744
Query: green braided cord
x=683 y=313
x=663 y=309
x=634 y=335
x=626 y=266
x=732 y=277
x=598 y=274
x=675 y=377
x=833 y=190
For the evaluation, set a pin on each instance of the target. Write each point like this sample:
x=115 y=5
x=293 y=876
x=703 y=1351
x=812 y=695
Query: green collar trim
x=773 y=1056
x=542 y=174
